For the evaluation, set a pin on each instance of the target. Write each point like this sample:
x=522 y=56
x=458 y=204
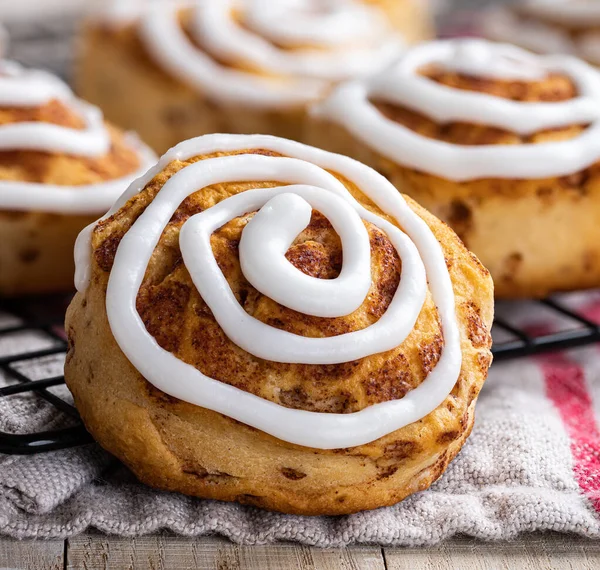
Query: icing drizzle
x=282 y=213
x=335 y=40
x=29 y=88
x=350 y=105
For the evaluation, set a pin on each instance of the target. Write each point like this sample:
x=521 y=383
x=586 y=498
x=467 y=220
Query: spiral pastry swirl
x=23 y=90
x=352 y=105
x=274 y=54
x=282 y=211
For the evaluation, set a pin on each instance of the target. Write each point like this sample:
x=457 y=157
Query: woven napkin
x=532 y=463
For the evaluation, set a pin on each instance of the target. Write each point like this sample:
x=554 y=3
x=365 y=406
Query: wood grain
x=97 y=552
x=165 y=552
x=534 y=552
x=32 y=554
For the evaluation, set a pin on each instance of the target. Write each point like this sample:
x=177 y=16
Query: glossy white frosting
x=315 y=22
x=287 y=77
x=269 y=235
x=351 y=106
x=475 y=58
x=20 y=87
x=282 y=212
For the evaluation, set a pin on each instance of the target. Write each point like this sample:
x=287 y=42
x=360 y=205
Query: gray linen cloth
x=531 y=464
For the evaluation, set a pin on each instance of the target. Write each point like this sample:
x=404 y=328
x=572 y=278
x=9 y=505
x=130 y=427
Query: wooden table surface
x=99 y=552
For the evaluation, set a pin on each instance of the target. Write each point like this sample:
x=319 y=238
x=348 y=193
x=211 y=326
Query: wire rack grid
x=45 y=316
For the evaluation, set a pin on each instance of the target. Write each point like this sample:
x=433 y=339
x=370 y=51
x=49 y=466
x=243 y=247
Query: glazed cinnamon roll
x=60 y=167
x=265 y=322
x=172 y=72
x=548 y=26
x=498 y=142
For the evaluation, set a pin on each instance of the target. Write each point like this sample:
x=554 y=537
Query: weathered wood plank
x=32 y=554
x=535 y=552
x=98 y=552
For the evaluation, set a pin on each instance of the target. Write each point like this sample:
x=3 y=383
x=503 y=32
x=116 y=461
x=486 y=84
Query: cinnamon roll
x=265 y=322
x=173 y=71
x=548 y=26
x=60 y=167
x=500 y=143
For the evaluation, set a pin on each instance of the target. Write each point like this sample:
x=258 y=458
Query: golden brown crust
x=551 y=89
x=36 y=252
x=54 y=112
x=175 y=445
x=338 y=388
x=522 y=230
x=36 y=247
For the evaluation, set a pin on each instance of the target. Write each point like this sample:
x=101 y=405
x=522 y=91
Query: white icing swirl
x=322 y=23
x=29 y=88
x=285 y=77
x=473 y=57
x=350 y=105
x=269 y=235
x=283 y=211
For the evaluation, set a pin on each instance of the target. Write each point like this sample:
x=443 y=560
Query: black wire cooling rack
x=44 y=317
x=41 y=318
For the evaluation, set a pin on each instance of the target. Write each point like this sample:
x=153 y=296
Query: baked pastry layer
x=36 y=252
x=536 y=235
x=175 y=445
